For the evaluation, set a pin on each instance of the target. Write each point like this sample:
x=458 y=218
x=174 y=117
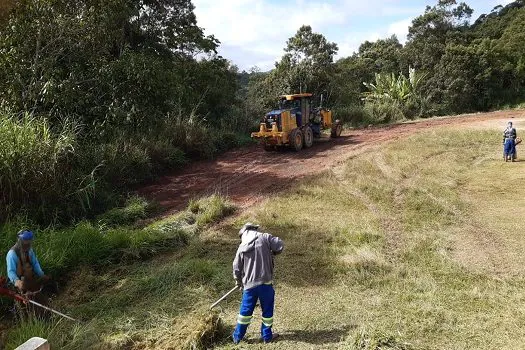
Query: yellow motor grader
x=295 y=124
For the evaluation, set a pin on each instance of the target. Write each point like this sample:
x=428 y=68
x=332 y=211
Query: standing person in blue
x=253 y=272
x=23 y=268
x=509 y=143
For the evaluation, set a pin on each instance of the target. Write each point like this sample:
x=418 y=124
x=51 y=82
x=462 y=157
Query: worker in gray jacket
x=253 y=272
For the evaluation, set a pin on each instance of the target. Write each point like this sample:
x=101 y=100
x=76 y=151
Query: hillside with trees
x=460 y=66
x=84 y=82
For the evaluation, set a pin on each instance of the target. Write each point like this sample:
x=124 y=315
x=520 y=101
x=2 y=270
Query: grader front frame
x=295 y=124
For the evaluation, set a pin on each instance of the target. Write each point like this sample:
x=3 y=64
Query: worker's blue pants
x=265 y=294
x=510 y=148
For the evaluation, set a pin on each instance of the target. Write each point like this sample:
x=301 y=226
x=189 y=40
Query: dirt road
x=250 y=174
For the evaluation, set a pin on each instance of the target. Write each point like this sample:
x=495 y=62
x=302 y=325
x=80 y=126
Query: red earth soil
x=250 y=174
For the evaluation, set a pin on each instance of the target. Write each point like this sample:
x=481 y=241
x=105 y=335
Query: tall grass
x=37 y=167
x=59 y=333
x=198 y=140
x=60 y=172
x=135 y=208
x=111 y=239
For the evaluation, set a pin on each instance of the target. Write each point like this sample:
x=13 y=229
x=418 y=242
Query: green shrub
x=124 y=162
x=210 y=209
x=164 y=155
x=354 y=114
x=226 y=140
x=190 y=134
x=121 y=162
x=383 y=111
x=135 y=208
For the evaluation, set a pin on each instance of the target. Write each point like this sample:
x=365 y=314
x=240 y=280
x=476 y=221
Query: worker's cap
x=247 y=226
x=26 y=235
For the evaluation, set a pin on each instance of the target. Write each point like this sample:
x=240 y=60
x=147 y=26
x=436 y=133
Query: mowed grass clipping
x=403 y=247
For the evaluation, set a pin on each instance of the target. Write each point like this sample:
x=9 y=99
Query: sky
x=253 y=33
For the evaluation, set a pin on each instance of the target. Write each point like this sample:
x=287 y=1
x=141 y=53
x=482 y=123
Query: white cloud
x=254 y=32
x=238 y=22
x=351 y=43
x=260 y=28
x=502 y=2
x=400 y=29
x=380 y=8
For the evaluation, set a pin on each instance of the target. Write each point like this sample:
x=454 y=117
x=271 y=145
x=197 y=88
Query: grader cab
x=295 y=124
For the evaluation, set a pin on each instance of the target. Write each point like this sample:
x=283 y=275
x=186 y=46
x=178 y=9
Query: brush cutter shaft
x=22 y=299
x=224 y=297
x=50 y=309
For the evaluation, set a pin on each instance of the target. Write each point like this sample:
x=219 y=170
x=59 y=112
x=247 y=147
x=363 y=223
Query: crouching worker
x=23 y=268
x=253 y=273
x=509 y=143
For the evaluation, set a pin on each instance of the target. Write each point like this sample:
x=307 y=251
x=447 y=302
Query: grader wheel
x=296 y=139
x=337 y=129
x=268 y=147
x=308 y=137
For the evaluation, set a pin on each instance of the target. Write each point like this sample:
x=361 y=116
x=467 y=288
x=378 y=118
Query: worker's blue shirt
x=12 y=263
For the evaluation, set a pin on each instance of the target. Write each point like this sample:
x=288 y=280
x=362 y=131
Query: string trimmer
x=20 y=298
x=224 y=297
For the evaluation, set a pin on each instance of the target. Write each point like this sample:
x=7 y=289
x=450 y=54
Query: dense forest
x=99 y=96
x=449 y=64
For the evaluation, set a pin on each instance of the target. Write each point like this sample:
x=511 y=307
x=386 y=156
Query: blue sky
x=254 y=32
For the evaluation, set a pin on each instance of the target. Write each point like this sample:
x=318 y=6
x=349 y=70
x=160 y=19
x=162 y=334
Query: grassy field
x=416 y=244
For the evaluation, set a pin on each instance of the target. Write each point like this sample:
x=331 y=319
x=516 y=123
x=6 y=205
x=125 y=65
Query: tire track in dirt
x=250 y=174
x=393 y=232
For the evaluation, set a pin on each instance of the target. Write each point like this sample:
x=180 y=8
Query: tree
x=106 y=63
x=484 y=72
x=430 y=32
x=308 y=62
x=492 y=25
x=513 y=36
x=381 y=56
x=347 y=83
x=512 y=52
